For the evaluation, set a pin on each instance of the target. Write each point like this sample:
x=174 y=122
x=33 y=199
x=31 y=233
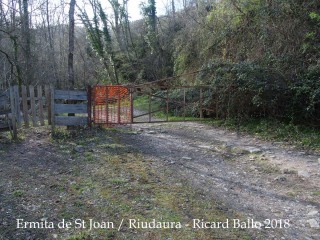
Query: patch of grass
x=316 y=193
x=292 y=194
x=5 y=137
x=118 y=181
x=78 y=204
x=61 y=134
x=18 y=193
x=76 y=188
x=175 y=118
x=89 y=156
x=112 y=145
x=269 y=129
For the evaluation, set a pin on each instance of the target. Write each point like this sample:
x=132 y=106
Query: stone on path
x=304 y=174
x=313 y=223
x=252 y=149
x=79 y=149
x=313 y=213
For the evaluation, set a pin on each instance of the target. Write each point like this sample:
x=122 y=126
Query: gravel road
x=270 y=184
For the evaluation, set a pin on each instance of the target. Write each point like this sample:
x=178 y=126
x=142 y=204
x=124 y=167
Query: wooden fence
x=66 y=102
x=42 y=105
x=21 y=106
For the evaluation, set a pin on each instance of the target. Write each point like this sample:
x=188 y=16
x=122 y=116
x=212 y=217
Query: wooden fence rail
x=65 y=102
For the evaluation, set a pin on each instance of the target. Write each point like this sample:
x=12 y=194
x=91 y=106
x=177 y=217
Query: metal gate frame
x=114 y=104
x=169 y=102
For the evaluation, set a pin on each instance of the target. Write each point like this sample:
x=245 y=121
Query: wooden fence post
x=48 y=102
x=131 y=104
x=200 y=104
x=52 y=107
x=24 y=97
x=107 y=106
x=119 y=106
x=184 y=104
x=89 y=105
x=17 y=105
x=167 y=102
x=40 y=103
x=33 y=106
x=149 y=107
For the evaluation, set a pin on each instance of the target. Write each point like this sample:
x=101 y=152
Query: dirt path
x=263 y=181
x=170 y=171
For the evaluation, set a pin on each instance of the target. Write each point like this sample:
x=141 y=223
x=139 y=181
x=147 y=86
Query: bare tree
x=10 y=45
x=117 y=22
x=52 y=55
x=101 y=40
x=26 y=41
x=173 y=10
x=71 y=44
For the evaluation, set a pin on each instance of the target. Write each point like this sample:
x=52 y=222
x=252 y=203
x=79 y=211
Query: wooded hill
x=261 y=57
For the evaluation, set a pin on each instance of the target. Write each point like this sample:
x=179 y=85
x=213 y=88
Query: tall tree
x=10 y=45
x=51 y=56
x=127 y=28
x=150 y=16
x=26 y=41
x=117 y=12
x=173 y=10
x=101 y=40
x=71 y=44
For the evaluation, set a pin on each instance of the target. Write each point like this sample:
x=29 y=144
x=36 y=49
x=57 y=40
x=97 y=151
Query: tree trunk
x=26 y=36
x=51 y=56
x=117 y=23
x=173 y=11
x=71 y=44
x=153 y=15
x=71 y=81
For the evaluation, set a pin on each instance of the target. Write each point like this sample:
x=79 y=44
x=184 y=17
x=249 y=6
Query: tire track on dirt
x=256 y=196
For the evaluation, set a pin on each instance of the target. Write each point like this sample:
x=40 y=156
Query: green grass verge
x=269 y=129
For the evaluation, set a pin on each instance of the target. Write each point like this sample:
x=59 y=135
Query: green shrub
x=306 y=97
x=242 y=90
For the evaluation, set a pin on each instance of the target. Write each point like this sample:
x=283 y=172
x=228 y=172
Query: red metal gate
x=111 y=105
